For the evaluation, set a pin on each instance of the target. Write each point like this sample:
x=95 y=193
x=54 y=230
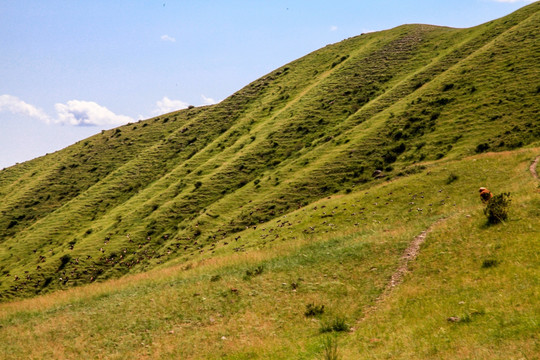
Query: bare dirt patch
x=533 y=166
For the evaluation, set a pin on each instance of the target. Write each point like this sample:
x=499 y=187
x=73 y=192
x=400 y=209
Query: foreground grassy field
x=248 y=296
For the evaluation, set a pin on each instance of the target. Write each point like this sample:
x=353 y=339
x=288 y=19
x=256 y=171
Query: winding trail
x=532 y=168
x=409 y=255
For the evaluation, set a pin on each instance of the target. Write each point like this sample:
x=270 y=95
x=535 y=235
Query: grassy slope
x=148 y=193
x=213 y=192
x=340 y=252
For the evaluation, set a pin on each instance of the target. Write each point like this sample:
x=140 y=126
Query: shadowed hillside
x=345 y=118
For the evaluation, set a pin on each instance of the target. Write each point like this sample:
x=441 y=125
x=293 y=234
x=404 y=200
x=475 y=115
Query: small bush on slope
x=497 y=208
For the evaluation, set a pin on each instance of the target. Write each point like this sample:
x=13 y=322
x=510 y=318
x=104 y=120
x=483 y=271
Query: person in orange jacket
x=485 y=194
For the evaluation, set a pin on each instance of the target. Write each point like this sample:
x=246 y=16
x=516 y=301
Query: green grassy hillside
x=143 y=194
x=280 y=291
x=228 y=227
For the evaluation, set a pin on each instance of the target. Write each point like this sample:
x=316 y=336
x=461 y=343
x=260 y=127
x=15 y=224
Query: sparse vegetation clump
x=483 y=147
x=258 y=270
x=489 y=263
x=64 y=260
x=313 y=310
x=497 y=207
x=337 y=324
x=330 y=348
x=451 y=178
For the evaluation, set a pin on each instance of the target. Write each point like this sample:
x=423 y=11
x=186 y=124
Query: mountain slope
x=168 y=189
x=336 y=255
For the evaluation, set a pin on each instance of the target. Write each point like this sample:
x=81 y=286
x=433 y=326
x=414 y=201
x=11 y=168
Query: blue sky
x=72 y=68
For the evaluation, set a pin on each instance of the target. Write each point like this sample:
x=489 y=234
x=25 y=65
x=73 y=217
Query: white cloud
x=333 y=28
x=15 y=105
x=208 y=101
x=74 y=112
x=167 y=105
x=167 y=38
x=87 y=113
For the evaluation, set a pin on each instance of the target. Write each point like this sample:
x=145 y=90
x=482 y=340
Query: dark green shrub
x=64 y=260
x=451 y=178
x=389 y=158
x=254 y=272
x=47 y=281
x=497 y=208
x=399 y=149
x=447 y=87
x=481 y=148
x=12 y=223
x=488 y=263
x=313 y=310
x=338 y=325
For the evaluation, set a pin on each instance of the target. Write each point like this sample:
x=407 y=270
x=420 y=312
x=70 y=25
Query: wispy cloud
x=167 y=105
x=167 y=38
x=87 y=113
x=208 y=101
x=74 y=112
x=12 y=104
x=333 y=28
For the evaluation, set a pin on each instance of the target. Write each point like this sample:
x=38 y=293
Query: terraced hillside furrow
x=283 y=134
x=66 y=174
x=372 y=108
x=342 y=156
